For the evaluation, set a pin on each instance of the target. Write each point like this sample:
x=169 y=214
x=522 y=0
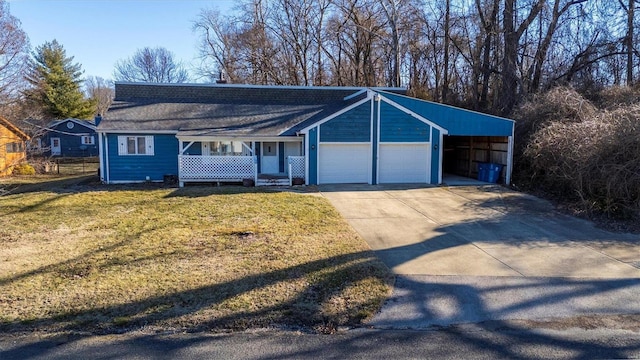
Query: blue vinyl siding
x=281 y=156
x=138 y=167
x=435 y=156
x=398 y=126
x=258 y=148
x=457 y=121
x=71 y=140
x=352 y=126
x=313 y=156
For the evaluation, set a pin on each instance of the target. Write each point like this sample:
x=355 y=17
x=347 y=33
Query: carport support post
x=470 y=155
x=507 y=176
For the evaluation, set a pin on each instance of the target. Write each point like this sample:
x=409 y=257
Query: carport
x=463 y=154
x=467 y=139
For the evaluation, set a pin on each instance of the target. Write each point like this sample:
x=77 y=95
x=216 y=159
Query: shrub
x=24 y=169
x=617 y=96
x=581 y=154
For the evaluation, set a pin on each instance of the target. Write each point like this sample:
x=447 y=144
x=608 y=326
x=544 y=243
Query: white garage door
x=404 y=163
x=344 y=163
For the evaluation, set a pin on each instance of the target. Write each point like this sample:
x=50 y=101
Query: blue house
x=280 y=134
x=70 y=138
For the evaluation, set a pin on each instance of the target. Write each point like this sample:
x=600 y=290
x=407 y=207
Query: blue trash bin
x=493 y=173
x=483 y=171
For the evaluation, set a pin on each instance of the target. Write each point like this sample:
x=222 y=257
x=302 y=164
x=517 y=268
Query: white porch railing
x=296 y=168
x=217 y=168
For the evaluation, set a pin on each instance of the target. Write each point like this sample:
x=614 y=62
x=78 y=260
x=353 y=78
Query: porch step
x=272 y=182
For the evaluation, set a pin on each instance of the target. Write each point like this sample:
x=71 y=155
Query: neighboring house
x=271 y=134
x=69 y=138
x=12 y=146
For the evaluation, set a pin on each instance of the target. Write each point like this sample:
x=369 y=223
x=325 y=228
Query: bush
x=581 y=154
x=615 y=97
x=24 y=169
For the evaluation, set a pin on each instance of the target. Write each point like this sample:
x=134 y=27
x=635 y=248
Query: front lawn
x=111 y=258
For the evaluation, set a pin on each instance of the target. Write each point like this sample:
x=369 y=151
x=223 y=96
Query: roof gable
x=6 y=123
x=88 y=124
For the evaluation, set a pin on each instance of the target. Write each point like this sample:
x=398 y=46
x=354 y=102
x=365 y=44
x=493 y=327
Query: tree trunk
x=509 y=90
x=445 y=74
x=630 y=42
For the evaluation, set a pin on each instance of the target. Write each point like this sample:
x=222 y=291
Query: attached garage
x=404 y=163
x=385 y=138
x=344 y=163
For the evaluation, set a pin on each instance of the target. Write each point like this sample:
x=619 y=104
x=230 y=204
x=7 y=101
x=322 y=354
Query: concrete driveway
x=477 y=253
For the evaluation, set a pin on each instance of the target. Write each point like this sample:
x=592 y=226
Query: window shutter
x=122 y=145
x=149 y=142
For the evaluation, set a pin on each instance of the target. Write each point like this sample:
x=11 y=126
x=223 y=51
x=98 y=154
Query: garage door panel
x=404 y=163
x=344 y=163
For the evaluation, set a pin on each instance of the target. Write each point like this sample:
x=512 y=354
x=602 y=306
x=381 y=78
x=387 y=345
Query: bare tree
x=513 y=31
x=14 y=52
x=156 y=65
x=629 y=9
x=101 y=91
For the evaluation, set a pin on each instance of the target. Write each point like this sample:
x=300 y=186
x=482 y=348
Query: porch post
x=255 y=170
x=290 y=176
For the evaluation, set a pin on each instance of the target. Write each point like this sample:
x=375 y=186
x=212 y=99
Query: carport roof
x=457 y=121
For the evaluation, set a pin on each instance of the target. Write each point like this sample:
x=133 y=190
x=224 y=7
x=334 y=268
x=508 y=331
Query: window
x=87 y=140
x=225 y=148
x=16 y=147
x=135 y=145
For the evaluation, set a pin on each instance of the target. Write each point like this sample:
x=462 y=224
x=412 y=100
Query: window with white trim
x=135 y=145
x=87 y=140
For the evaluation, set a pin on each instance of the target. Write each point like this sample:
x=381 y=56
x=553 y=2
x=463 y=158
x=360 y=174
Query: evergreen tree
x=56 y=84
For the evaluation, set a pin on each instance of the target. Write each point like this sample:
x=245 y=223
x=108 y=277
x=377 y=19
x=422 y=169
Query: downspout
x=102 y=154
x=106 y=159
x=378 y=100
x=507 y=179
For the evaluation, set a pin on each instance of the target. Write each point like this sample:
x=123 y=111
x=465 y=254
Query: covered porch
x=266 y=161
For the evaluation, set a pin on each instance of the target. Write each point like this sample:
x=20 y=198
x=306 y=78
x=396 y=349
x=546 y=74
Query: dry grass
x=107 y=258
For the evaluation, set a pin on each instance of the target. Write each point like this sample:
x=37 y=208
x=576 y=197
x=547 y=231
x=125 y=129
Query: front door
x=270 y=163
x=55 y=146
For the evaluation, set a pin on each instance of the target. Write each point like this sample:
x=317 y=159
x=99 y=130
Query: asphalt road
x=503 y=342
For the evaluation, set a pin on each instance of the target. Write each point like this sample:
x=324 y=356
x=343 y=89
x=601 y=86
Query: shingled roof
x=221 y=110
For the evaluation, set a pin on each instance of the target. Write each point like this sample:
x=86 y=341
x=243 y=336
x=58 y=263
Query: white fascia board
x=240 y=138
x=138 y=132
x=79 y=122
x=414 y=114
x=355 y=94
x=336 y=114
x=115 y=182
